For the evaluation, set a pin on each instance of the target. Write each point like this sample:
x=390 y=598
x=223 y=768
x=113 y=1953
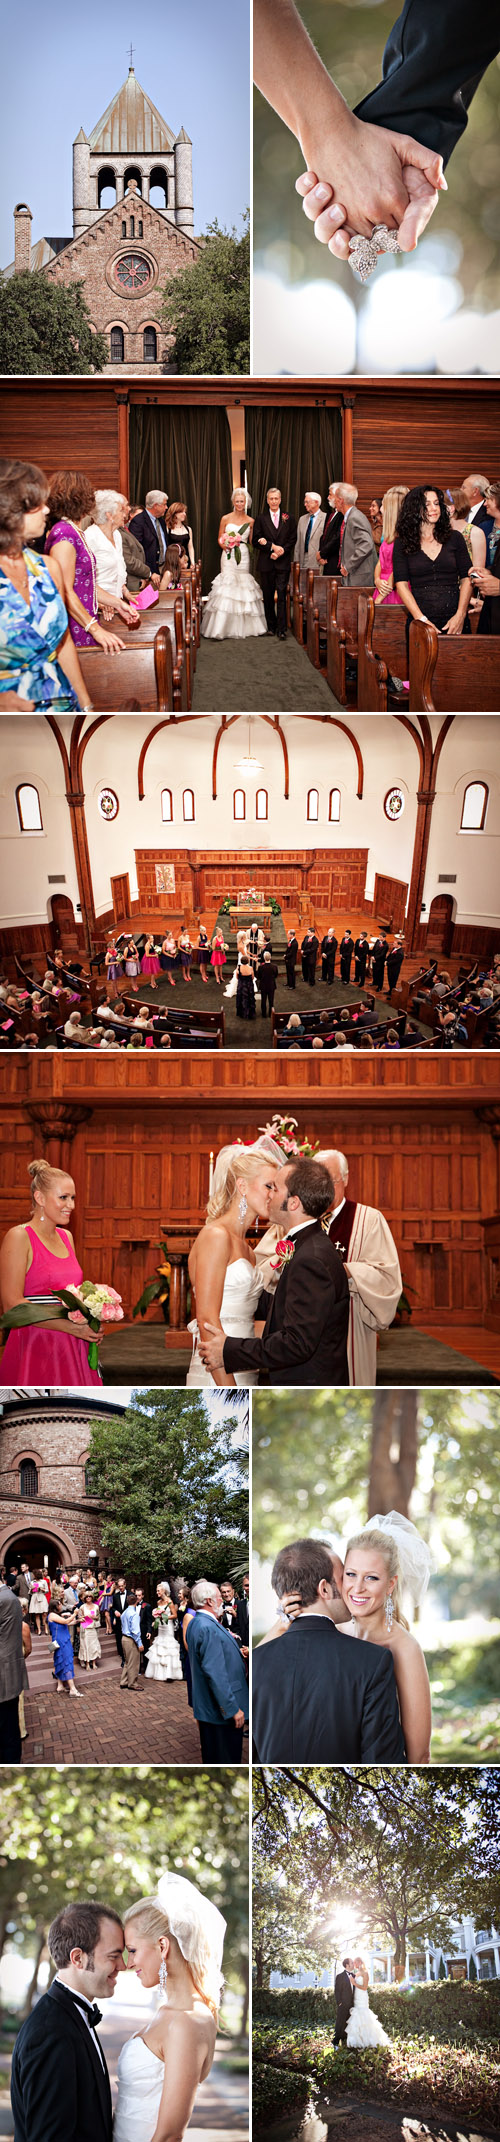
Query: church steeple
x=132 y=141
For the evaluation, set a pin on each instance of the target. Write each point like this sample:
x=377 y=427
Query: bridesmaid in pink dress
x=384 y=582
x=35 y=1259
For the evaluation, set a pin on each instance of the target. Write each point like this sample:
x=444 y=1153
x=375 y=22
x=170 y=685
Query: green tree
x=61 y=1837
x=207 y=306
x=174 y=1487
x=46 y=328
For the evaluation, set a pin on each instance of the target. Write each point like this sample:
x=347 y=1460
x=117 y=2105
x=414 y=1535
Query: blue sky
x=61 y=67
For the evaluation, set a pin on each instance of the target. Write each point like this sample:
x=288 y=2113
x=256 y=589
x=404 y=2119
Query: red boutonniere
x=284 y=1253
x=285 y=516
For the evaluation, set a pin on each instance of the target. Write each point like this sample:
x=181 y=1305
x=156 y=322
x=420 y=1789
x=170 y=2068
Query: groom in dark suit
x=60 y=2084
x=325 y=1697
x=344 y=1996
x=274 y=537
x=307 y=1319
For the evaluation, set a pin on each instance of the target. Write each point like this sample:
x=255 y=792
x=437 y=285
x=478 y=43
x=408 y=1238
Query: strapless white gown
x=164 y=1659
x=363 y=2028
x=242 y=1287
x=140 y=2083
x=234 y=609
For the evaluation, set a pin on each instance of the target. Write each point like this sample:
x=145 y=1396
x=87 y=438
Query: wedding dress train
x=363 y=2028
x=234 y=609
x=140 y=2084
x=242 y=1287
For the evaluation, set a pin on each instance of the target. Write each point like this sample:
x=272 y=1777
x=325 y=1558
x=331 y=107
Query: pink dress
x=385 y=561
x=44 y=1357
x=150 y=963
x=218 y=956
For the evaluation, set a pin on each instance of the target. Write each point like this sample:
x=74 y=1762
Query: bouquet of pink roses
x=95 y=1304
x=232 y=538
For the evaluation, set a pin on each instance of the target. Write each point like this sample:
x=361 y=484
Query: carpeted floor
x=256 y=1033
x=258 y=676
x=137 y=1353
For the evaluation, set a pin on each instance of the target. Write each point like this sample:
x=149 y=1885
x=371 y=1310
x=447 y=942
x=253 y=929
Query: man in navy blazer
x=220 y=1693
x=150 y=530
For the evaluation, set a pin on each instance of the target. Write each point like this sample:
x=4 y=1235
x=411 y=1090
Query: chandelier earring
x=163 y=1976
x=389 y=1612
x=243 y=1207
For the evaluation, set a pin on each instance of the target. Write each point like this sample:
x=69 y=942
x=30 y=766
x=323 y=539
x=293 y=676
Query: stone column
x=183 y=169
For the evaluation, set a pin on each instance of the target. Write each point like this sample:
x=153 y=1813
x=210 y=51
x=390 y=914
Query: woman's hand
x=107 y=640
x=454 y=626
x=374 y=176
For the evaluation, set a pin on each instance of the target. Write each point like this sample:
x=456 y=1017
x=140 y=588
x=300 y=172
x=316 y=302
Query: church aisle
x=258 y=676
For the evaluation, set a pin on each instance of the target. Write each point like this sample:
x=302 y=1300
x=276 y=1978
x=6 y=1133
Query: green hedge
x=453 y=2010
x=444 y=2066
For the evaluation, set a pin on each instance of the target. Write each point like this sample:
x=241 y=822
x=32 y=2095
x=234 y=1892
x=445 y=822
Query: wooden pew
x=342 y=635
x=169 y=615
x=382 y=653
x=453 y=675
x=139 y=680
x=316 y=615
x=298 y=604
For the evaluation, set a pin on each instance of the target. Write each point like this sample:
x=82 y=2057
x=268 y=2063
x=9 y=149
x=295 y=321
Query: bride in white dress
x=363 y=2028
x=234 y=609
x=223 y=1270
x=164 y=1660
x=175 y=1940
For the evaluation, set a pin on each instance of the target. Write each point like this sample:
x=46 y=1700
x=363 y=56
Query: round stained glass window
x=108 y=803
x=132 y=273
x=394 y=803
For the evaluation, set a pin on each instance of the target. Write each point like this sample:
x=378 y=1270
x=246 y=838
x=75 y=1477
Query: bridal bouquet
x=232 y=538
x=283 y=1129
x=96 y=1303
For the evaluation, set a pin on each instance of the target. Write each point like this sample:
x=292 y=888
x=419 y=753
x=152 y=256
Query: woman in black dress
x=203 y=953
x=431 y=562
x=245 y=993
x=179 y=531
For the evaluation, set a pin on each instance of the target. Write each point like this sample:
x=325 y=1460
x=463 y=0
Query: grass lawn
x=465 y=1686
x=444 y=2054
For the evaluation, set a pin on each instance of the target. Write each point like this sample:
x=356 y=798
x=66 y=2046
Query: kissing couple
x=363 y=1700
x=60 y=2081
x=263 y=1319
x=356 y=2024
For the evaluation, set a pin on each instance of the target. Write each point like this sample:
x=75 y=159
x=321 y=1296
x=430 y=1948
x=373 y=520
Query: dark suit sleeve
x=381 y=1734
x=49 y=2086
x=311 y=1287
x=289 y=535
x=433 y=62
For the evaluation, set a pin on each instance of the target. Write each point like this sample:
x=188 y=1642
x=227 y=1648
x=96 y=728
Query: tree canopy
x=400 y=1852
x=207 y=306
x=46 y=328
x=173 y=1485
x=110 y=1834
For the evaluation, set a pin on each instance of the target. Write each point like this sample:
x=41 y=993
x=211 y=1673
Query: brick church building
x=132 y=227
x=48 y=1511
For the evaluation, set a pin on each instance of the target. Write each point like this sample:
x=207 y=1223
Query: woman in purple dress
x=71 y=501
x=37 y=1258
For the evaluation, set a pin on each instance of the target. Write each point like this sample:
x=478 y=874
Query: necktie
x=275 y=519
x=308 y=532
x=341 y=537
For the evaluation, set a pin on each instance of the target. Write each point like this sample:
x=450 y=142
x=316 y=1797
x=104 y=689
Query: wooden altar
x=240 y=918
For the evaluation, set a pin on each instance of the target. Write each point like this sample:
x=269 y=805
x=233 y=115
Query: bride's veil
x=199 y=1928
x=413 y=1554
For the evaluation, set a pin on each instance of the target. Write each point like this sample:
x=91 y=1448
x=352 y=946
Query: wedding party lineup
x=250 y=1279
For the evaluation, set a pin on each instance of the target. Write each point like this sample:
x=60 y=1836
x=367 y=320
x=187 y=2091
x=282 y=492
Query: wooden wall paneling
x=58 y=424
x=425 y=437
x=389 y=900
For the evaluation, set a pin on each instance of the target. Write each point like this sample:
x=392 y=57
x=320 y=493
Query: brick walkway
x=110 y=1725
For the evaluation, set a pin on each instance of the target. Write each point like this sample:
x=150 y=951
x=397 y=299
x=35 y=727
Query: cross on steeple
x=131 y=58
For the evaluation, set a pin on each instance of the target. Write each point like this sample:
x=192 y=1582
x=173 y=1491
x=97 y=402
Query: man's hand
x=239 y=1718
x=212 y=1350
x=486 y=581
x=155 y=580
x=276 y=550
x=263 y=542
x=338 y=209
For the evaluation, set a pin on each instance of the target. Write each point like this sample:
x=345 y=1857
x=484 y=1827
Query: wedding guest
x=384 y=579
x=309 y=532
x=59 y=1627
x=294 y=1025
x=11 y=1674
x=175 y=564
x=235 y=1613
x=39 y=665
x=375 y=519
x=139 y=575
x=431 y=562
x=329 y=545
x=220 y=1693
x=179 y=531
x=90 y=1649
x=104 y=540
x=120 y=1598
x=71 y=503
x=391 y=1040
x=357 y=552
x=487 y=579
x=473 y=533
x=149 y=527
x=132 y=1644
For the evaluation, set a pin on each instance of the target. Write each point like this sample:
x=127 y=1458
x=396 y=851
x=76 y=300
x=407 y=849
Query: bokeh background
x=437 y=310
x=323 y=1461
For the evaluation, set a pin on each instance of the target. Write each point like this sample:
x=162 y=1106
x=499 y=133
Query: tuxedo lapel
x=276 y=1312
x=73 y=2018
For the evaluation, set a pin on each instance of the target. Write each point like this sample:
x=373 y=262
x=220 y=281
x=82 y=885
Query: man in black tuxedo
x=394 y=964
x=379 y=955
x=291 y=957
x=309 y=952
x=327 y=1699
x=434 y=60
x=328 y=956
x=329 y=543
x=267 y=976
x=60 y=2083
x=150 y=529
x=344 y=1996
x=146 y=1620
x=346 y=952
x=360 y=958
x=305 y=1333
x=274 y=537
x=234 y=1614
x=120 y=1600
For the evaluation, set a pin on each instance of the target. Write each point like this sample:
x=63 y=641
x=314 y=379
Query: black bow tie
x=93 y=2015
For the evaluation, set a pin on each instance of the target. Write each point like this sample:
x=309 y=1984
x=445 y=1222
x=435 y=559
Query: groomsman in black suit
x=309 y=950
x=274 y=537
x=60 y=2083
x=328 y=957
x=394 y=964
x=379 y=956
x=346 y=952
x=329 y=543
x=360 y=958
x=235 y=1613
x=119 y=1601
x=291 y=957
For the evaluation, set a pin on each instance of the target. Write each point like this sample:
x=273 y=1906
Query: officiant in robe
x=363 y=1239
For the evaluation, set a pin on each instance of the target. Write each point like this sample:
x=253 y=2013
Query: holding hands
x=375 y=177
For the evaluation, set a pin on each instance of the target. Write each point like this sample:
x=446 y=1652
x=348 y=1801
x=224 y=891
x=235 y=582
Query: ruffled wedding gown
x=234 y=609
x=363 y=2028
x=164 y=1660
x=242 y=1287
x=140 y=2083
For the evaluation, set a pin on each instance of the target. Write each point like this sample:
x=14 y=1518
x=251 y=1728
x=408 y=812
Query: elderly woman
x=39 y=666
x=179 y=531
x=71 y=502
x=104 y=540
x=431 y=562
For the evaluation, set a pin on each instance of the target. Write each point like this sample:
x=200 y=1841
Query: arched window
x=132 y=227
x=474 y=807
x=188 y=803
x=28 y=809
x=313 y=803
x=124 y=230
x=106 y=188
x=132 y=173
x=90 y=1479
x=150 y=345
x=117 y=344
x=28 y=1478
x=334 y=811
x=239 y=804
x=166 y=806
x=261 y=803
x=140 y=227
x=158 y=187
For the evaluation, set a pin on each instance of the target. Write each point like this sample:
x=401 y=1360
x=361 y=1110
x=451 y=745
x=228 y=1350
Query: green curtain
x=188 y=450
x=294 y=449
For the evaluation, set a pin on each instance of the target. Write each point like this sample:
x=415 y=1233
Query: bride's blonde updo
x=383 y=1544
x=41 y=1176
x=233 y=1165
x=150 y=1919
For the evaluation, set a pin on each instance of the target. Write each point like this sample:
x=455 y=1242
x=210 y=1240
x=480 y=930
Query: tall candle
x=211 y=1174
